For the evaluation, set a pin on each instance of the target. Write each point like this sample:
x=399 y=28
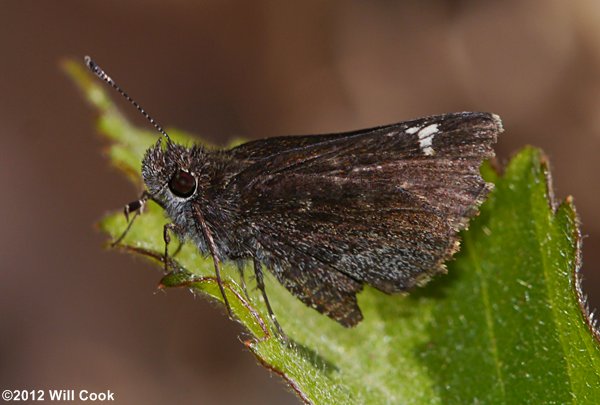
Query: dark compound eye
x=182 y=184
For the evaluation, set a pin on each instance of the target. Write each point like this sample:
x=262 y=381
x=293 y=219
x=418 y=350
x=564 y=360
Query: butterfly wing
x=255 y=151
x=381 y=206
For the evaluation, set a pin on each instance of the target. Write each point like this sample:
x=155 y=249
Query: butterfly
x=328 y=214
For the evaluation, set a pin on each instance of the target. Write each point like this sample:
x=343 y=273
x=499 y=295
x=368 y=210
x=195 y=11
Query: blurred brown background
x=74 y=315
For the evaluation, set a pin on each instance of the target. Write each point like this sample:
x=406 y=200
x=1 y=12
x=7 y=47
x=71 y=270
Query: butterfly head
x=174 y=174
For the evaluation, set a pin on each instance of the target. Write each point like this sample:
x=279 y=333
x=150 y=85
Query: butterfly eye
x=182 y=184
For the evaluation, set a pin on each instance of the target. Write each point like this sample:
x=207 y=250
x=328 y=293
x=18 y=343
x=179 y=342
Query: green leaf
x=504 y=326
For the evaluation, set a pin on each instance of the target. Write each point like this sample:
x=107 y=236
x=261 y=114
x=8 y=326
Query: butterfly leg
x=135 y=206
x=243 y=281
x=260 y=283
x=176 y=252
x=167 y=238
x=210 y=242
x=220 y=283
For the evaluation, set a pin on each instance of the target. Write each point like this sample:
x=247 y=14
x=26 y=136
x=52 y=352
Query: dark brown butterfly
x=327 y=214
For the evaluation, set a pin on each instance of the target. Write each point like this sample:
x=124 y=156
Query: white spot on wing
x=426 y=136
x=428 y=151
x=498 y=122
x=412 y=130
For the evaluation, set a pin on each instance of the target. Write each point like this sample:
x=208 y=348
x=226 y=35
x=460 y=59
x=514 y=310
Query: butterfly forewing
x=380 y=206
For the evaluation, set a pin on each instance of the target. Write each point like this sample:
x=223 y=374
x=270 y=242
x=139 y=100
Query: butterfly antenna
x=97 y=70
